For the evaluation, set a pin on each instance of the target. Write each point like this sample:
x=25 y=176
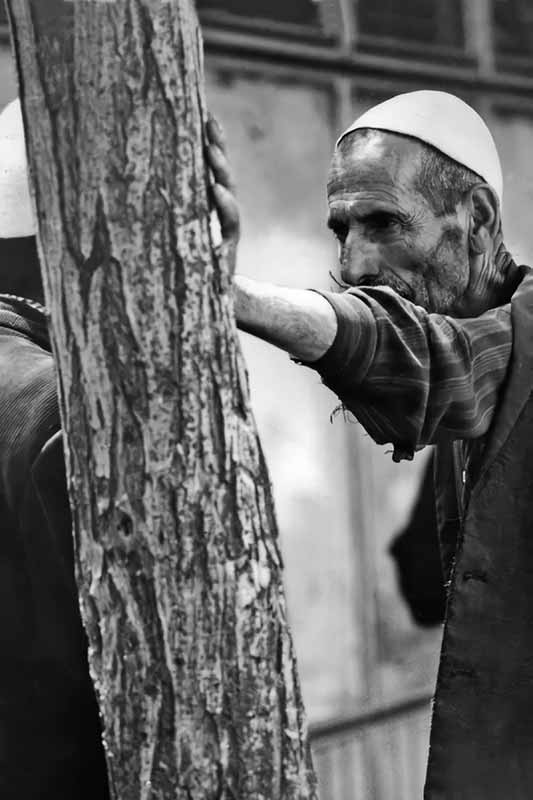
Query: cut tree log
x=176 y=545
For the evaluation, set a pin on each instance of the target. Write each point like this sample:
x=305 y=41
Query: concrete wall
x=513 y=132
x=8 y=87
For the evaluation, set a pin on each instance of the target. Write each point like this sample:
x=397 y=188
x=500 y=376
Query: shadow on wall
x=417 y=557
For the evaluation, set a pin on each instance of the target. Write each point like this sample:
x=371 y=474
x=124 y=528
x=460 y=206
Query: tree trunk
x=176 y=545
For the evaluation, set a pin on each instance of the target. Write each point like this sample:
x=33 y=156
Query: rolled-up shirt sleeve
x=409 y=376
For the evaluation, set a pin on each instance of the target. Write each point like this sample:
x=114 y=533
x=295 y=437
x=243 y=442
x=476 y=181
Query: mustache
x=391 y=281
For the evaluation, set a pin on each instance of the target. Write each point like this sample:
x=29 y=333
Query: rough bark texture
x=178 y=565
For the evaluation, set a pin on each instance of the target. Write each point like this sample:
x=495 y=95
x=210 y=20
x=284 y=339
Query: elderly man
x=50 y=739
x=434 y=346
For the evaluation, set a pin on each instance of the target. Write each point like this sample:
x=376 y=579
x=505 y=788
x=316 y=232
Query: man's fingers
x=216 y=154
x=220 y=166
x=228 y=211
x=223 y=188
x=214 y=131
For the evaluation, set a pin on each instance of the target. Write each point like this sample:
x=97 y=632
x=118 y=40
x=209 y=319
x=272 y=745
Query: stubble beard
x=440 y=277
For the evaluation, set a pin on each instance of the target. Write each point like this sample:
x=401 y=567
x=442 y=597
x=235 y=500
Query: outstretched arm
x=299 y=321
x=408 y=376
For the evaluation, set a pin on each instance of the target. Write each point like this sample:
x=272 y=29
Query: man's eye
x=340 y=231
x=381 y=221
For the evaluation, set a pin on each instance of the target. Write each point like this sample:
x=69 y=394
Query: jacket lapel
x=519 y=384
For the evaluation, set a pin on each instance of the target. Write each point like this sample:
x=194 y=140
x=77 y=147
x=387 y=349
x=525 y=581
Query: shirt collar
x=27 y=317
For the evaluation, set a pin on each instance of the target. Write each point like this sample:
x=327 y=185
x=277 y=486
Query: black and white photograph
x=266 y=400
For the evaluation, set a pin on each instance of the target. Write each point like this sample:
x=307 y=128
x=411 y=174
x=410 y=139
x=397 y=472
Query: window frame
x=351 y=54
x=226 y=20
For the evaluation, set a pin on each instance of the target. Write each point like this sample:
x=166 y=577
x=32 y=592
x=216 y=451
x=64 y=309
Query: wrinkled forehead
x=372 y=158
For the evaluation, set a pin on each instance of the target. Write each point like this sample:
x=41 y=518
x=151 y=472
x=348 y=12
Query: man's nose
x=357 y=263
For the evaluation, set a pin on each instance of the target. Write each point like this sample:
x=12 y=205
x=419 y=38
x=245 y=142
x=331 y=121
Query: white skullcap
x=16 y=210
x=443 y=121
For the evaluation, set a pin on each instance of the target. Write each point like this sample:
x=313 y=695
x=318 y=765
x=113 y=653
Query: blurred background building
x=285 y=77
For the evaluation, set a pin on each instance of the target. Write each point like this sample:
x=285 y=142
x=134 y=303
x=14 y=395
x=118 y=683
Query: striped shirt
x=412 y=378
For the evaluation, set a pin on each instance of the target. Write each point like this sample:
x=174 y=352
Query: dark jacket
x=50 y=740
x=482 y=733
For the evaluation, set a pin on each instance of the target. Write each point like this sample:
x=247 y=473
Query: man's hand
x=223 y=190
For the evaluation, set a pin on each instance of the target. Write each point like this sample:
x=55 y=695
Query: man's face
x=388 y=233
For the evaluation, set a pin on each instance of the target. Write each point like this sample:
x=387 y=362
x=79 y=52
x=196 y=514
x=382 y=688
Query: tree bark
x=176 y=545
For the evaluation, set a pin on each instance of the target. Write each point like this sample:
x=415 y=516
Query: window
x=513 y=27
x=428 y=23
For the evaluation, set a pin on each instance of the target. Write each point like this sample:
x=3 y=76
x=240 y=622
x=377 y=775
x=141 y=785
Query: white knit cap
x=16 y=210
x=443 y=121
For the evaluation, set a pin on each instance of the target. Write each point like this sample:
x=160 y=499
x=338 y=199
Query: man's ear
x=485 y=218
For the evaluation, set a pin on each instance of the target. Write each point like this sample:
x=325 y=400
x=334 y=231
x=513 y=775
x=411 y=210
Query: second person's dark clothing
x=50 y=736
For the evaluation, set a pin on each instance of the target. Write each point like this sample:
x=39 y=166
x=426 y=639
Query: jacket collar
x=26 y=317
x=519 y=384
